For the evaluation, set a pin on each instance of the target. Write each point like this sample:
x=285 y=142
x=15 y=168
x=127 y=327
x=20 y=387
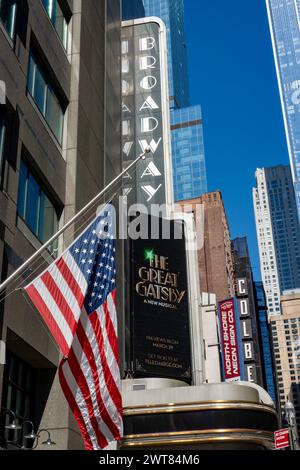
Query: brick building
x=216 y=265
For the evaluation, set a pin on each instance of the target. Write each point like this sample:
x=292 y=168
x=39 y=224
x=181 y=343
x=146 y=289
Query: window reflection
x=8 y=10
x=58 y=19
x=45 y=98
x=35 y=208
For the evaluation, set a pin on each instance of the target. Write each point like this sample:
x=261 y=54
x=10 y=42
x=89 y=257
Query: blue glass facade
x=172 y=14
x=268 y=367
x=132 y=9
x=189 y=172
x=285 y=225
x=284 y=19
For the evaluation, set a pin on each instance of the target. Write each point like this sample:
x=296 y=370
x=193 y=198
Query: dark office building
x=265 y=339
x=132 y=9
x=59 y=145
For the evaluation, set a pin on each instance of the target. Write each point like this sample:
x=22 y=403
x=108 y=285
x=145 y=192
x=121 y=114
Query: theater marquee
x=161 y=333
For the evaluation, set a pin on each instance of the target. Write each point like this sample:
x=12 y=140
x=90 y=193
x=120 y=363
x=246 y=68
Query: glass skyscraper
x=132 y=9
x=189 y=172
x=186 y=121
x=284 y=19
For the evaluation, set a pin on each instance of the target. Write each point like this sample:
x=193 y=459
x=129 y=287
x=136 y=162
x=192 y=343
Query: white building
x=211 y=341
x=277 y=229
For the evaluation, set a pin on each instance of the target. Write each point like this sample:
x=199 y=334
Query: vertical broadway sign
x=230 y=341
x=145 y=112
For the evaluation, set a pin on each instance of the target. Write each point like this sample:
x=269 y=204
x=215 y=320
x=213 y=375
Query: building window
x=46 y=99
x=2 y=137
x=18 y=390
x=8 y=10
x=34 y=206
x=58 y=19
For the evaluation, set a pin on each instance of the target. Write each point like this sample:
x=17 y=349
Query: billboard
x=160 y=328
x=145 y=112
x=231 y=347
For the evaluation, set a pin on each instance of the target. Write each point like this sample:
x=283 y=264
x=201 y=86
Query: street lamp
x=290 y=417
x=13 y=426
x=33 y=436
x=28 y=438
x=48 y=442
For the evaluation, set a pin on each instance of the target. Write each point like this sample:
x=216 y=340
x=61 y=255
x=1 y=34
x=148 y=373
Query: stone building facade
x=60 y=145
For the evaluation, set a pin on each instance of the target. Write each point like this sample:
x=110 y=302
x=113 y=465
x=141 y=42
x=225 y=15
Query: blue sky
x=232 y=75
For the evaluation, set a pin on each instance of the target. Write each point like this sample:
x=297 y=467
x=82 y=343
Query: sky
x=232 y=75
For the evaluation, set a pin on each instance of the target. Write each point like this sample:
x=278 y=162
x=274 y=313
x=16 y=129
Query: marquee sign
x=230 y=341
x=160 y=308
x=145 y=112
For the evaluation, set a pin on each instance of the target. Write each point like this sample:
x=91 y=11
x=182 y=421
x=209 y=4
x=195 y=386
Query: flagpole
x=70 y=222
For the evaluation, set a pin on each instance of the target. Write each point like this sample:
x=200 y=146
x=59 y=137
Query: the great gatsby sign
x=161 y=336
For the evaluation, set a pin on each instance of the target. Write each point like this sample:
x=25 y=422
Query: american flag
x=76 y=298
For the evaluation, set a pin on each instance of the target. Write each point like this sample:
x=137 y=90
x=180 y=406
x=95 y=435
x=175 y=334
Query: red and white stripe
x=90 y=379
x=89 y=374
x=58 y=294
